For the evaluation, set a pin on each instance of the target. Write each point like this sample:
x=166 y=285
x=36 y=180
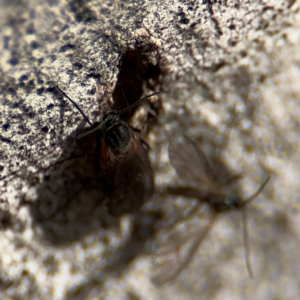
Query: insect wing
x=178 y=246
x=190 y=163
x=130 y=182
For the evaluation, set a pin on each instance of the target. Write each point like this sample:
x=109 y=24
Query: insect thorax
x=225 y=203
x=117 y=134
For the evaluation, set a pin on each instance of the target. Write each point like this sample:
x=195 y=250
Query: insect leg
x=97 y=153
x=234 y=178
x=246 y=242
x=245 y=228
x=252 y=197
x=98 y=128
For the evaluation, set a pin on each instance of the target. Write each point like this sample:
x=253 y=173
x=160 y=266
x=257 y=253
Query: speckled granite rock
x=230 y=66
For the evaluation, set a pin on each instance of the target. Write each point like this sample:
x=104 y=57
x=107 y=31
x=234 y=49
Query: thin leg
x=234 y=178
x=246 y=242
x=66 y=159
x=97 y=153
x=252 y=197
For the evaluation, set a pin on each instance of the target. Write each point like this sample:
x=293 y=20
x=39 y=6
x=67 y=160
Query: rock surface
x=228 y=76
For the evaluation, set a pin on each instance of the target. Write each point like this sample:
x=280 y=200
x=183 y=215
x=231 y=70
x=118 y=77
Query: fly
x=193 y=168
x=122 y=165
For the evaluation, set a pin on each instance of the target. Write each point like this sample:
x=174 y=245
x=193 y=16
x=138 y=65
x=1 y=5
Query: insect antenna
x=122 y=111
x=125 y=97
x=245 y=228
x=97 y=128
x=119 y=112
x=75 y=104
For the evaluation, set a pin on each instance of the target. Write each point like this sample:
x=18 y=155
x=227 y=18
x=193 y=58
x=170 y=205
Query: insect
x=193 y=168
x=122 y=165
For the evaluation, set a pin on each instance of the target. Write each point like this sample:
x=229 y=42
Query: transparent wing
x=179 y=247
x=190 y=163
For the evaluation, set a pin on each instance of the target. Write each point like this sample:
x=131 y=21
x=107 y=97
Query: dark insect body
x=122 y=165
x=193 y=168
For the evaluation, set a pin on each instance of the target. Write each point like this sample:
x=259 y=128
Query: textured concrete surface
x=228 y=76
